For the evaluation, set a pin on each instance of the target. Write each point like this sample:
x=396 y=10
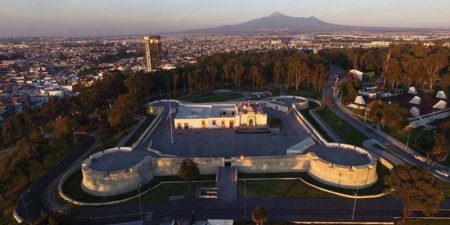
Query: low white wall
x=169 y=166
x=429 y=118
x=272 y=164
x=279 y=107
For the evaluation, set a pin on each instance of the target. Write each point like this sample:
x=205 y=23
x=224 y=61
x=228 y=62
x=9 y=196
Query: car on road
x=442 y=172
x=420 y=158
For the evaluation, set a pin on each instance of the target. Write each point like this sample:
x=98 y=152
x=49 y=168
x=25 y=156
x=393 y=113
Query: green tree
x=439 y=151
x=62 y=128
x=188 y=170
x=121 y=112
x=259 y=215
x=416 y=188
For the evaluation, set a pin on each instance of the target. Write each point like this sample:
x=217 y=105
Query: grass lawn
x=298 y=189
x=307 y=116
x=72 y=188
x=164 y=191
x=346 y=132
x=304 y=92
x=279 y=189
x=211 y=97
x=140 y=130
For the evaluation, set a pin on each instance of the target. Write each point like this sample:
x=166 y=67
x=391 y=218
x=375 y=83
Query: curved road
x=345 y=114
x=30 y=204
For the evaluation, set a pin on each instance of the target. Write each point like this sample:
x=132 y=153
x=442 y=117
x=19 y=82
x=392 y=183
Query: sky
x=117 y=17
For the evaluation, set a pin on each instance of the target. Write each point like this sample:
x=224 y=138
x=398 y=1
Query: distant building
x=212 y=116
x=152 y=46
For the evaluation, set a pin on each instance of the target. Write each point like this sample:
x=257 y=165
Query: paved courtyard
x=226 y=143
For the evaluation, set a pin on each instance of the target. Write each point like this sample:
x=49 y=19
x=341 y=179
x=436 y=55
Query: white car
x=442 y=172
x=420 y=158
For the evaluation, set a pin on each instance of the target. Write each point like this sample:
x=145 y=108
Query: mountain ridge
x=280 y=21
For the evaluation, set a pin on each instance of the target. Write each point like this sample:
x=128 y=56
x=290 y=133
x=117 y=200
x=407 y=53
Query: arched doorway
x=250 y=122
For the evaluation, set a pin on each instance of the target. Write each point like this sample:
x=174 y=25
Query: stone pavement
x=227 y=182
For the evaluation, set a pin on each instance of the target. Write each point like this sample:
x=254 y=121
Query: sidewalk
x=227 y=182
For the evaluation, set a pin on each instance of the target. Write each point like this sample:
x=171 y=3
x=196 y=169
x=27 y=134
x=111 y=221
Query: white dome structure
x=415 y=112
x=359 y=100
x=416 y=100
x=441 y=95
x=441 y=104
x=412 y=90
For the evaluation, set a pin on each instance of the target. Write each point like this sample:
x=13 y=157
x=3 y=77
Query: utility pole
x=407 y=142
x=245 y=198
x=354 y=203
x=170 y=122
x=140 y=205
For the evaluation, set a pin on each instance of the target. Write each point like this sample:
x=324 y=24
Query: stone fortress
x=123 y=169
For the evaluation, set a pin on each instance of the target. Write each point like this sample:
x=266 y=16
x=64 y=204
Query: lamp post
x=354 y=203
x=140 y=205
x=245 y=198
x=170 y=122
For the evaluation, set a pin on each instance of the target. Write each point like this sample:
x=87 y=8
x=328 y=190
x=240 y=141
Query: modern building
x=215 y=116
x=152 y=46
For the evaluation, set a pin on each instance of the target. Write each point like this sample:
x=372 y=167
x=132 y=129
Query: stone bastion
x=109 y=183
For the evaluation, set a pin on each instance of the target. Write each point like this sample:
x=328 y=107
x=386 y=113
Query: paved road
x=329 y=92
x=324 y=210
x=32 y=205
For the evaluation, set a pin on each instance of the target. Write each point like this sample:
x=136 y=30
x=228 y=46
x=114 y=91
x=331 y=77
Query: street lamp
x=354 y=203
x=245 y=198
x=139 y=197
x=170 y=122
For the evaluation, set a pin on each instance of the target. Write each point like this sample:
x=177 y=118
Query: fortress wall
x=169 y=166
x=272 y=164
x=108 y=183
x=343 y=176
x=105 y=183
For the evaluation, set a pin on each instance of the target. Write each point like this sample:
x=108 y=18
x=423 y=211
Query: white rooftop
x=441 y=95
x=412 y=90
x=360 y=100
x=192 y=111
x=416 y=100
x=414 y=111
x=440 y=105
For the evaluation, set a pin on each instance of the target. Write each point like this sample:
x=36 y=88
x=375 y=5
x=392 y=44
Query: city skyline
x=105 y=17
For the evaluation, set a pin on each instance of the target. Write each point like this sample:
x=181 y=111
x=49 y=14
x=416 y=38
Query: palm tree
x=188 y=171
x=259 y=215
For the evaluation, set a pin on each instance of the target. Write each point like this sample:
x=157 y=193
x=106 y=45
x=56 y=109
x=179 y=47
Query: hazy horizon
x=116 y=17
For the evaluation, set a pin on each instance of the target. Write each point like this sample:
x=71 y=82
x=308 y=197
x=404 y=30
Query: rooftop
x=192 y=111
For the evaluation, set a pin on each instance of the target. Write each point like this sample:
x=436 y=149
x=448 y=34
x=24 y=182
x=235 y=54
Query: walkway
x=227 y=182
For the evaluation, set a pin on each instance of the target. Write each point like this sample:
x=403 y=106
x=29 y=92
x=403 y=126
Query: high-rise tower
x=152 y=52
